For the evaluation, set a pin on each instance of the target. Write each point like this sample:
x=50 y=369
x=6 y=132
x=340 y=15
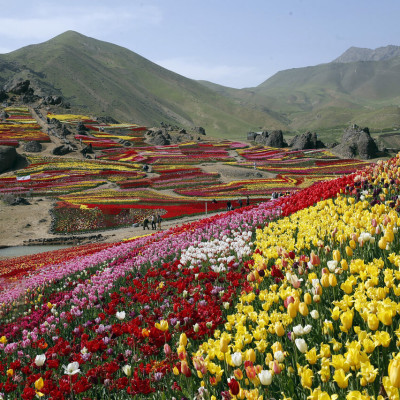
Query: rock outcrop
x=272 y=139
x=33 y=146
x=8 y=157
x=62 y=150
x=306 y=141
x=357 y=142
x=159 y=137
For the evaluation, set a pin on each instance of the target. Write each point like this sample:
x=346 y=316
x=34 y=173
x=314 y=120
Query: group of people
x=229 y=206
x=276 y=195
x=155 y=220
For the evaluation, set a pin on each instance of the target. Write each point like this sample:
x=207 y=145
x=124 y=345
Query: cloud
x=229 y=75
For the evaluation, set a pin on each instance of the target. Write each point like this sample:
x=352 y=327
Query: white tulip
x=279 y=356
x=120 y=315
x=265 y=377
x=237 y=358
x=40 y=359
x=127 y=370
x=301 y=345
x=307 y=329
x=332 y=264
x=72 y=368
x=314 y=314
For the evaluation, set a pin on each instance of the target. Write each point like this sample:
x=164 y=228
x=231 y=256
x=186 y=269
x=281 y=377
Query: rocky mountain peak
x=354 y=54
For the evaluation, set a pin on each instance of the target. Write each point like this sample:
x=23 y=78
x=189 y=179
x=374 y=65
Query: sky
x=235 y=43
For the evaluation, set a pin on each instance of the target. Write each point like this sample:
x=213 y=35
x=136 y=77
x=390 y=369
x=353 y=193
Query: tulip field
x=20 y=126
x=293 y=298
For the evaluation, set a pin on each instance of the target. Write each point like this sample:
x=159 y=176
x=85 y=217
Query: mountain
x=105 y=79
x=361 y=87
x=354 y=54
x=329 y=97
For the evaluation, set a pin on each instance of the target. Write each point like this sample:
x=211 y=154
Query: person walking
x=153 y=222
x=247 y=201
x=146 y=223
x=228 y=205
x=240 y=203
x=159 y=219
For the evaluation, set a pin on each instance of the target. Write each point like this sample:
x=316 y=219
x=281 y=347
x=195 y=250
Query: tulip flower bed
x=52 y=177
x=14 y=270
x=251 y=187
x=186 y=153
x=126 y=320
x=20 y=126
x=105 y=209
x=174 y=178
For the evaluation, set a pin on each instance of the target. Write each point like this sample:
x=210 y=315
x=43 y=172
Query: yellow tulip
x=394 y=372
x=341 y=379
x=325 y=280
x=291 y=310
x=307 y=298
x=39 y=384
x=250 y=355
x=303 y=309
x=344 y=264
x=332 y=280
x=352 y=244
x=162 y=326
x=385 y=317
x=183 y=339
x=306 y=375
x=347 y=320
x=277 y=346
x=336 y=255
x=382 y=243
x=373 y=322
x=349 y=251
x=311 y=356
x=223 y=344
x=3 y=340
x=279 y=329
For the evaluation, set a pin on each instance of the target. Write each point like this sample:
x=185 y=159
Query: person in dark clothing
x=228 y=205
x=153 y=222
x=240 y=203
x=247 y=201
x=159 y=219
x=146 y=224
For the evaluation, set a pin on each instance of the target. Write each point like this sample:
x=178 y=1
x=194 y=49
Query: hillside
x=329 y=96
x=108 y=79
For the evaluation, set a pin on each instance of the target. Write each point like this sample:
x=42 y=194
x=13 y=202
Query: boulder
x=52 y=100
x=8 y=157
x=20 y=201
x=62 y=150
x=3 y=95
x=275 y=139
x=33 y=146
x=357 y=142
x=200 y=130
x=251 y=136
x=3 y=115
x=81 y=128
x=306 y=141
x=20 y=87
x=271 y=139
